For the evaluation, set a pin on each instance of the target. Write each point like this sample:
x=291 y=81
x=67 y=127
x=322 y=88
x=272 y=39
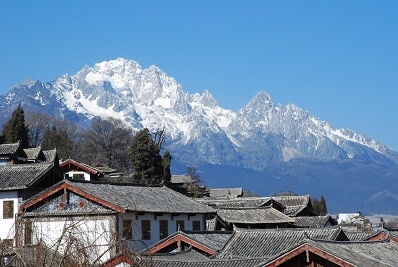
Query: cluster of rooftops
x=234 y=229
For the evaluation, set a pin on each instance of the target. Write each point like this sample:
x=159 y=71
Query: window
x=78 y=176
x=163 y=228
x=196 y=225
x=8 y=209
x=180 y=225
x=28 y=233
x=3 y=162
x=127 y=229
x=146 y=229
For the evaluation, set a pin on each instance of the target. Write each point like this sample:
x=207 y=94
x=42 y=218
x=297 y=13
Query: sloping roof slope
x=311 y=221
x=226 y=192
x=32 y=153
x=50 y=155
x=254 y=216
x=22 y=176
x=206 y=263
x=267 y=243
x=293 y=200
x=9 y=149
x=85 y=167
x=245 y=202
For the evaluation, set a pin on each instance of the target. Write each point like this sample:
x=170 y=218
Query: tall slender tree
x=15 y=129
x=145 y=159
x=166 y=162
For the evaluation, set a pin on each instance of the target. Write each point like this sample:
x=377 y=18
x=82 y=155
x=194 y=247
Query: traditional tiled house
x=18 y=182
x=109 y=213
x=296 y=205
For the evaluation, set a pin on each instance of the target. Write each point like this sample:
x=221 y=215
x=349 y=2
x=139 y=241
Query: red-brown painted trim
x=65 y=187
x=77 y=165
x=181 y=238
x=119 y=259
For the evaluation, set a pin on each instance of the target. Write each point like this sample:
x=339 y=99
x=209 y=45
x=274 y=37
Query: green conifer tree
x=166 y=162
x=145 y=159
x=15 y=129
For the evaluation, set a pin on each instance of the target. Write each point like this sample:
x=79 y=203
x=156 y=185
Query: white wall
x=155 y=231
x=98 y=233
x=7 y=225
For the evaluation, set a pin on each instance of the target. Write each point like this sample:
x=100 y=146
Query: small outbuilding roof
x=9 y=149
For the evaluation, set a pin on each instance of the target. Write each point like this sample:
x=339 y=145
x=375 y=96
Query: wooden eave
x=78 y=166
x=308 y=248
x=66 y=187
x=118 y=260
x=178 y=239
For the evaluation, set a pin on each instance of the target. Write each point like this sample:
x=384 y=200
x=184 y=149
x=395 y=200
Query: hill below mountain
x=272 y=146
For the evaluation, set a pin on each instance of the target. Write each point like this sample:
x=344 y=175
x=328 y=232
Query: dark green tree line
x=15 y=129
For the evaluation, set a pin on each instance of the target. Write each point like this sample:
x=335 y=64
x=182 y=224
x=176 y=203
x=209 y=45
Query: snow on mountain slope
x=200 y=131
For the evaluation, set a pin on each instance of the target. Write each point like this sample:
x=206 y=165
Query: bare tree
x=107 y=142
x=73 y=241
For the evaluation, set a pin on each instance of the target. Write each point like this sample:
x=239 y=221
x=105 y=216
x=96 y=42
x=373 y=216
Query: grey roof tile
x=254 y=216
x=245 y=202
x=293 y=200
x=270 y=242
x=226 y=192
x=9 y=149
x=32 y=153
x=311 y=221
x=21 y=176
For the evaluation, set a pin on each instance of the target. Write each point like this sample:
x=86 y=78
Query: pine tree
x=15 y=129
x=166 y=162
x=145 y=159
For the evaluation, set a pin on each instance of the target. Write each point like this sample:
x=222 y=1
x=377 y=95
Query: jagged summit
x=257 y=135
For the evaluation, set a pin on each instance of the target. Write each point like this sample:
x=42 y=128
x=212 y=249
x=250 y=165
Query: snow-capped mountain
x=200 y=131
x=263 y=146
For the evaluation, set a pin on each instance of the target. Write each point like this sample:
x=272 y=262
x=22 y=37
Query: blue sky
x=336 y=59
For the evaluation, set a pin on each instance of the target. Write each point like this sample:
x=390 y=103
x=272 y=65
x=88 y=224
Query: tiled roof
x=246 y=202
x=212 y=239
x=293 y=200
x=226 y=192
x=162 y=262
x=50 y=155
x=294 y=210
x=181 y=179
x=21 y=176
x=156 y=199
x=311 y=221
x=9 y=149
x=254 y=216
x=270 y=242
x=32 y=153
